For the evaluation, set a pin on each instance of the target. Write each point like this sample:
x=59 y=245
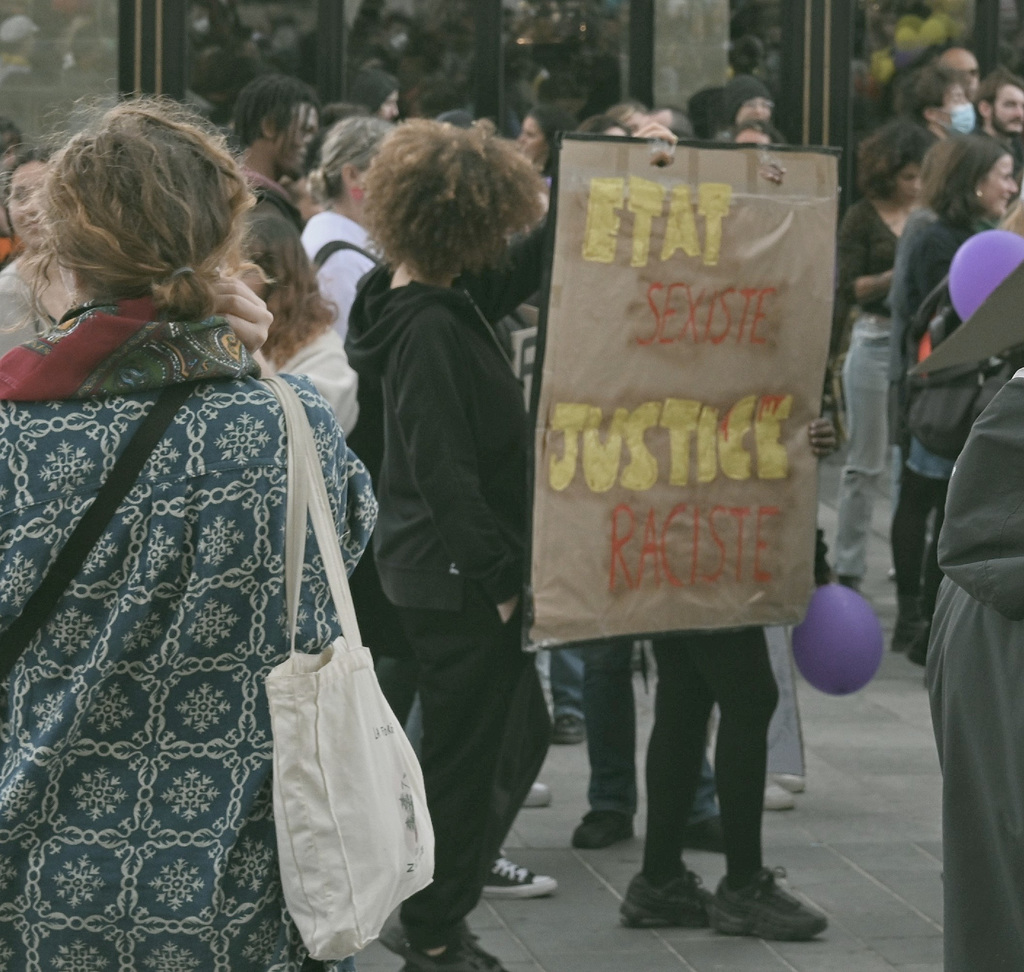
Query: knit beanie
x=740 y=89
x=371 y=88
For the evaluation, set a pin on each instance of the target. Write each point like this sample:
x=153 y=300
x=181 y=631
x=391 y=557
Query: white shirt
x=343 y=270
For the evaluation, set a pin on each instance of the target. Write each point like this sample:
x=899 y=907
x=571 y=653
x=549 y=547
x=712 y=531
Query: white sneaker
x=776 y=798
x=789 y=781
x=508 y=880
x=539 y=796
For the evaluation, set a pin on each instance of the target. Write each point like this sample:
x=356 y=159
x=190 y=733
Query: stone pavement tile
x=921 y=891
x=376 y=958
x=911 y=951
x=868 y=911
x=873 y=856
x=587 y=961
x=898 y=759
x=712 y=952
x=827 y=956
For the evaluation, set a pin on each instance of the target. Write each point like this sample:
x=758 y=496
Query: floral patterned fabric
x=136 y=828
x=119 y=349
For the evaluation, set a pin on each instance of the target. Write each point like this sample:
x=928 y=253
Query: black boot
x=909 y=622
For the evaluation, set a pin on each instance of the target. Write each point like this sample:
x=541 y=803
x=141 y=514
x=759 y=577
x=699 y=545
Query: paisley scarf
x=119 y=349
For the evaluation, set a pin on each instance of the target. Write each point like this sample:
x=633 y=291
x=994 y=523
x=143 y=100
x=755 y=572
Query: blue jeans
x=566 y=674
x=610 y=712
x=866 y=387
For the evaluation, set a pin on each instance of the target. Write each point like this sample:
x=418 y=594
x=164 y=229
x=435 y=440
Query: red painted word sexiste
x=685 y=312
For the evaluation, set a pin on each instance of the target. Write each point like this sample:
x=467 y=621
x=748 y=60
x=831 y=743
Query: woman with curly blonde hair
x=442 y=203
x=135 y=779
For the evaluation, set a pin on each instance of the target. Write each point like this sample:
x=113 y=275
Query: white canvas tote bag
x=353 y=831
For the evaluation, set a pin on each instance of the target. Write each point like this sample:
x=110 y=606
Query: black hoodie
x=443 y=421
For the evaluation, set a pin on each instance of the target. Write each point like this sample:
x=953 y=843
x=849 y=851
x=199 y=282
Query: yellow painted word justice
x=719 y=443
x=646 y=201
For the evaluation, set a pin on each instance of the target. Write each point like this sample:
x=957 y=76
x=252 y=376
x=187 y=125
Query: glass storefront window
x=700 y=44
x=428 y=46
x=893 y=39
x=230 y=42
x=51 y=55
x=571 y=54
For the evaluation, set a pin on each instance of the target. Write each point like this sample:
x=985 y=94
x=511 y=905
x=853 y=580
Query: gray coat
x=976 y=683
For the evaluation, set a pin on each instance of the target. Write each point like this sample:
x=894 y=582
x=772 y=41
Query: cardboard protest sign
x=995 y=327
x=687 y=329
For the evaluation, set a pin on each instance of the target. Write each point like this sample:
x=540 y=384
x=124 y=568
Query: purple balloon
x=839 y=645
x=980 y=265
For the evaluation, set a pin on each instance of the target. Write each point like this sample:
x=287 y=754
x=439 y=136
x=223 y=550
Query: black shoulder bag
x=41 y=604
x=942 y=405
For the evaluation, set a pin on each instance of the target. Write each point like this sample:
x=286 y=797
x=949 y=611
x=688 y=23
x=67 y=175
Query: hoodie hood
x=981 y=548
x=381 y=314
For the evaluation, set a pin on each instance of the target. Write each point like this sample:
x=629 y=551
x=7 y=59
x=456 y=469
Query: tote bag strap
x=307 y=493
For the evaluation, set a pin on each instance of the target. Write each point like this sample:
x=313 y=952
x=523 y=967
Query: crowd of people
x=381 y=263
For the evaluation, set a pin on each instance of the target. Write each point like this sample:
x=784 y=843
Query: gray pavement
x=863 y=843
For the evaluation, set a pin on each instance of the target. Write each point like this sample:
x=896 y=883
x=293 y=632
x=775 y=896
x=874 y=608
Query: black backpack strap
x=930 y=306
x=41 y=604
x=329 y=249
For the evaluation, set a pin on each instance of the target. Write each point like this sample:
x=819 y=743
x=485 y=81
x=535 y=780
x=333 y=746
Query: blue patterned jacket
x=136 y=827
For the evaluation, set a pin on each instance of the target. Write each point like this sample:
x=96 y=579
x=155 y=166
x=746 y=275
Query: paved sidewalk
x=863 y=843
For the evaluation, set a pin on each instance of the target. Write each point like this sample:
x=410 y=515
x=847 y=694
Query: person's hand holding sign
x=663 y=149
x=821 y=433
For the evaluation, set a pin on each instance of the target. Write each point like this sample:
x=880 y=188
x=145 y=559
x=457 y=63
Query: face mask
x=962 y=119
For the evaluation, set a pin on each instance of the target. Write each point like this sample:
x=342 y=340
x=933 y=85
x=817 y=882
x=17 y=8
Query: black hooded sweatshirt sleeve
x=452 y=485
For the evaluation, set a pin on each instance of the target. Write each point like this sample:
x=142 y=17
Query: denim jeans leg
x=865 y=382
x=705 y=806
x=610 y=712
x=567 y=681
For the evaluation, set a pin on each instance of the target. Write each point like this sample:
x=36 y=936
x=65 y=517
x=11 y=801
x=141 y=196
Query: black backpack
x=329 y=249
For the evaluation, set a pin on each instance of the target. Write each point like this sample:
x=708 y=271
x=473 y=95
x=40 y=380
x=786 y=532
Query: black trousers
x=696 y=670
x=485 y=734
x=917 y=569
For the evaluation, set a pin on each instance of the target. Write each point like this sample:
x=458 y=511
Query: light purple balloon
x=980 y=265
x=839 y=645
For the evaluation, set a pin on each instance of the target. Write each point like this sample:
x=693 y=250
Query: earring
x=977 y=192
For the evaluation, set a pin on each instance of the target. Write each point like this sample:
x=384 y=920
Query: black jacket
x=442 y=417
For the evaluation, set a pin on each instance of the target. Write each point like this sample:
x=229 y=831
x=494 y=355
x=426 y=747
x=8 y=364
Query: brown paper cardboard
x=687 y=332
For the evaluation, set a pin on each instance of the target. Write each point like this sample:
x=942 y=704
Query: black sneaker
x=762 y=909
x=464 y=956
x=568 y=730
x=509 y=880
x=681 y=902
x=392 y=937
x=602 y=828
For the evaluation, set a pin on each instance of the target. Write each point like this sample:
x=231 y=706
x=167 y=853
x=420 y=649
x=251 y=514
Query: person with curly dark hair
x=442 y=203
x=889 y=175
